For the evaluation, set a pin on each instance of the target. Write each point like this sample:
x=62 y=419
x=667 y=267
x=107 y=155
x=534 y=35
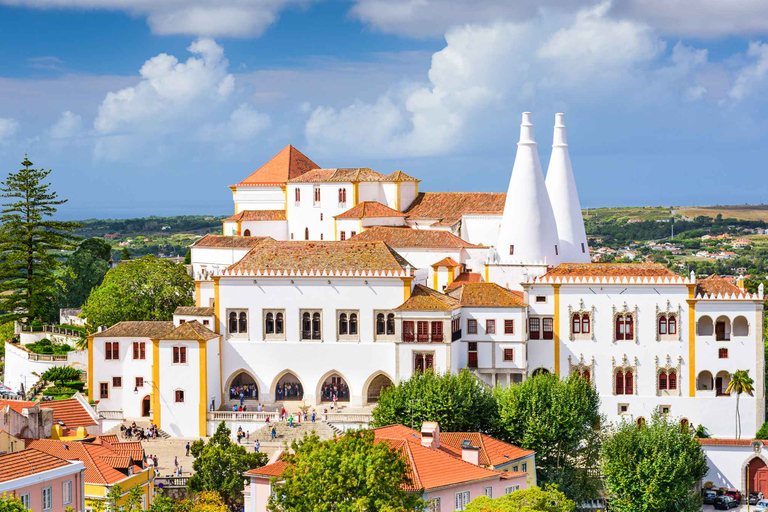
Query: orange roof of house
x=289 y=163
x=257 y=215
x=349 y=256
x=351 y=175
x=194 y=311
x=417 y=238
x=610 y=270
x=447 y=207
x=138 y=329
x=71 y=412
x=486 y=295
x=193 y=331
x=28 y=462
x=270 y=470
x=728 y=442
x=492 y=451
x=229 y=242
x=465 y=277
x=17 y=405
x=369 y=209
x=715 y=285
x=427 y=299
x=446 y=262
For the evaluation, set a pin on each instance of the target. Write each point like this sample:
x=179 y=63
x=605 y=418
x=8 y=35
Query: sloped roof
x=16 y=405
x=257 y=215
x=401 y=176
x=369 y=209
x=270 y=470
x=71 y=412
x=715 y=285
x=145 y=329
x=28 y=462
x=492 y=451
x=465 y=277
x=229 y=242
x=447 y=262
x=289 y=163
x=194 y=331
x=427 y=299
x=350 y=175
x=405 y=237
x=194 y=311
x=446 y=208
x=304 y=256
x=610 y=270
x=486 y=295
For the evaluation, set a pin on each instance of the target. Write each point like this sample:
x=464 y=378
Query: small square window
x=509 y=354
x=540 y=299
x=471 y=326
x=509 y=327
x=623 y=408
x=665 y=409
x=117 y=382
x=490 y=326
x=206 y=322
x=103 y=389
x=139 y=382
x=722 y=353
x=179 y=396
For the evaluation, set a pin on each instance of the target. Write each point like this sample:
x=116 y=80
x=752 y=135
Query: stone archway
x=243 y=382
x=330 y=384
x=754 y=471
x=373 y=387
x=288 y=386
x=539 y=371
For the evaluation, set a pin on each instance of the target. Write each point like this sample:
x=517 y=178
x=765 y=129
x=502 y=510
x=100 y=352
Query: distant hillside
x=643 y=213
x=740 y=212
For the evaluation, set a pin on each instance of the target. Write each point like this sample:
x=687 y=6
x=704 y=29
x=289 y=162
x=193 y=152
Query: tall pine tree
x=30 y=245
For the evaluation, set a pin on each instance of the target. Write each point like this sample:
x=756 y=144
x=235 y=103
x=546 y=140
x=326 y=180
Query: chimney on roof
x=430 y=434
x=470 y=453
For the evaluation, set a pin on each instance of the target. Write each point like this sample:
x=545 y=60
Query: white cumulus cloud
x=749 y=78
x=67 y=126
x=8 y=128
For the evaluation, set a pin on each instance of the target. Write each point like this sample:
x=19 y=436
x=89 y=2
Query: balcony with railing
x=409 y=337
x=310 y=335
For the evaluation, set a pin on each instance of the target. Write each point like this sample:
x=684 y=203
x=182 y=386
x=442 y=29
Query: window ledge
x=274 y=337
x=348 y=337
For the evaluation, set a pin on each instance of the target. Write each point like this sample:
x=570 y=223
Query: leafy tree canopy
x=145 y=289
x=534 y=499
x=125 y=254
x=219 y=466
x=653 y=468
x=350 y=474
x=9 y=503
x=84 y=270
x=560 y=420
x=60 y=374
x=458 y=402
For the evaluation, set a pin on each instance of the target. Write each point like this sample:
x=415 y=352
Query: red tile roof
x=27 y=462
x=447 y=207
x=229 y=242
x=353 y=175
x=257 y=215
x=70 y=412
x=194 y=311
x=492 y=451
x=446 y=262
x=427 y=299
x=270 y=470
x=610 y=270
x=404 y=237
x=486 y=295
x=715 y=285
x=193 y=331
x=349 y=256
x=289 y=163
x=465 y=277
x=369 y=209
x=138 y=329
x=729 y=442
x=16 y=405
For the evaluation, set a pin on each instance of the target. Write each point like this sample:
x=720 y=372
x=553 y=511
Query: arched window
x=344 y=194
x=353 y=323
x=662 y=380
x=619 y=383
x=316 y=326
x=391 y=324
x=684 y=424
x=585 y=327
x=269 y=324
x=233 y=322
x=585 y=375
x=640 y=422
x=279 y=323
x=576 y=324
x=243 y=323
x=247 y=232
x=673 y=380
x=343 y=323
x=620 y=327
x=672 y=325
x=298 y=195
x=306 y=233
x=662 y=325
x=628 y=383
x=380 y=324
x=306 y=326
x=341 y=196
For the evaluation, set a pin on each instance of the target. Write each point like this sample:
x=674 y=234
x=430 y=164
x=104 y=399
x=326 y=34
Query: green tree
x=219 y=466
x=125 y=254
x=740 y=383
x=30 y=244
x=762 y=433
x=350 y=474
x=534 y=499
x=188 y=257
x=458 y=402
x=560 y=420
x=145 y=289
x=10 y=503
x=60 y=374
x=84 y=270
x=654 y=468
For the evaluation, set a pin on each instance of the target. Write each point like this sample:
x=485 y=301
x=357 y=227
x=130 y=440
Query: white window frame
x=49 y=504
x=511 y=489
x=315 y=192
x=434 y=505
x=461 y=500
x=347 y=337
x=66 y=492
x=385 y=336
x=238 y=334
x=275 y=336
x=488 y=491
x=311 y=315
x=25 y=501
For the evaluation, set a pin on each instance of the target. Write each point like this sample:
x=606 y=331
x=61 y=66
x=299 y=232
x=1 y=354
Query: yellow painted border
x=198 y=295
x=691 y=340
x=203 y=387
x=90 y=368
x=406 y=287
x=486 y=274
x=557 y=328
x=156 y=382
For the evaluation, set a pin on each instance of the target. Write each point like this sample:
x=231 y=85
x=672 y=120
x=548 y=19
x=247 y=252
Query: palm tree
x=740 y=383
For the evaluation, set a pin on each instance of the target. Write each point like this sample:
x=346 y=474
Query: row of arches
x=722 y=327
x=288 y=387
x=719 y=383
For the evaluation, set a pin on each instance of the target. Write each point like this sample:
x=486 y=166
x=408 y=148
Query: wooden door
x=145 y=407
x=758 y=476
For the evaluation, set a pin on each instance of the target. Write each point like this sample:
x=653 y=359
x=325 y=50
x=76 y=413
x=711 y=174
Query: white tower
x=528 y=233
x=565 y=199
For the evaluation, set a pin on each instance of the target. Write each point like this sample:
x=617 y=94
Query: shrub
x=763 y=432
x=75 y=384
x=59 y=391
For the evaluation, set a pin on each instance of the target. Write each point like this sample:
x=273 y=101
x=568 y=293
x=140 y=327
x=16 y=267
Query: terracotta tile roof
x=728 y=442
x=71 y=412
x=16 y=405
x=194 y=331
x=369 y=209
x=27 y=462
x=289 y=163
x=715 y=285
x=193 y=311
x=270 y=470
x=486 y=295
x=446 y=262
x=132 y=449
x=465 y=277
x=447 y=207
x=228 y=242
x=352 y=175
x=427 y=299
x=492 y=451
x=349 y=256
x=610 y=270
x=145 y=329
x=418 y=238
x=254 y=215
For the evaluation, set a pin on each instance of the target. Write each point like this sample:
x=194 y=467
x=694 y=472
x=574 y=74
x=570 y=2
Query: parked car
x=754 y=497
x=761 y=506
x=725 y=503
x=735 y=494
x=709 y=496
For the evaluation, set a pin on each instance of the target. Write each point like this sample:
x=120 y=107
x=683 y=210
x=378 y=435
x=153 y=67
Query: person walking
x=175 y=461
x=313 y=415
x=272 y=433
x=257 y=446
x=187 y=448
x=290 y=421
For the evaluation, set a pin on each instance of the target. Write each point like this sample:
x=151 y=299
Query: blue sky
x=154 y=107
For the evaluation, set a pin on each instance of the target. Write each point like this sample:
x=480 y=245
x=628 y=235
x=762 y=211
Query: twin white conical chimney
x=528 y=233
x=542 y=221
x=564 y=197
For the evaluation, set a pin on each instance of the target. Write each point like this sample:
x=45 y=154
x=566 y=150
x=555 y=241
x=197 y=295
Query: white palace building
x=348 y=279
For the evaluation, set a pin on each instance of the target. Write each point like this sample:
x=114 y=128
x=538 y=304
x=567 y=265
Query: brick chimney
x=430 y=434
x=470 y=453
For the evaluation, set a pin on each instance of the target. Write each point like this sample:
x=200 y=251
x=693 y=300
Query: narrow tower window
x=556 y=253
x=511 y=250
x=583 y=249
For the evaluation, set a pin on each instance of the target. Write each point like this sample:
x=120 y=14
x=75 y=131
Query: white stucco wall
x=122 y=398
x=180 y=419
x=258 y=198
x=480 y=229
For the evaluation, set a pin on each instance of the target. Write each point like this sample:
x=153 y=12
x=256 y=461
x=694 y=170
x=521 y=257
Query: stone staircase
x=288 y=434
x=162 y=434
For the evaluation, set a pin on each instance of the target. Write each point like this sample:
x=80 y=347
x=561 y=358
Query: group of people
x=242 y=434
x=334 y=392
x=246 y=391
x=139 y=433
x=290 y=391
